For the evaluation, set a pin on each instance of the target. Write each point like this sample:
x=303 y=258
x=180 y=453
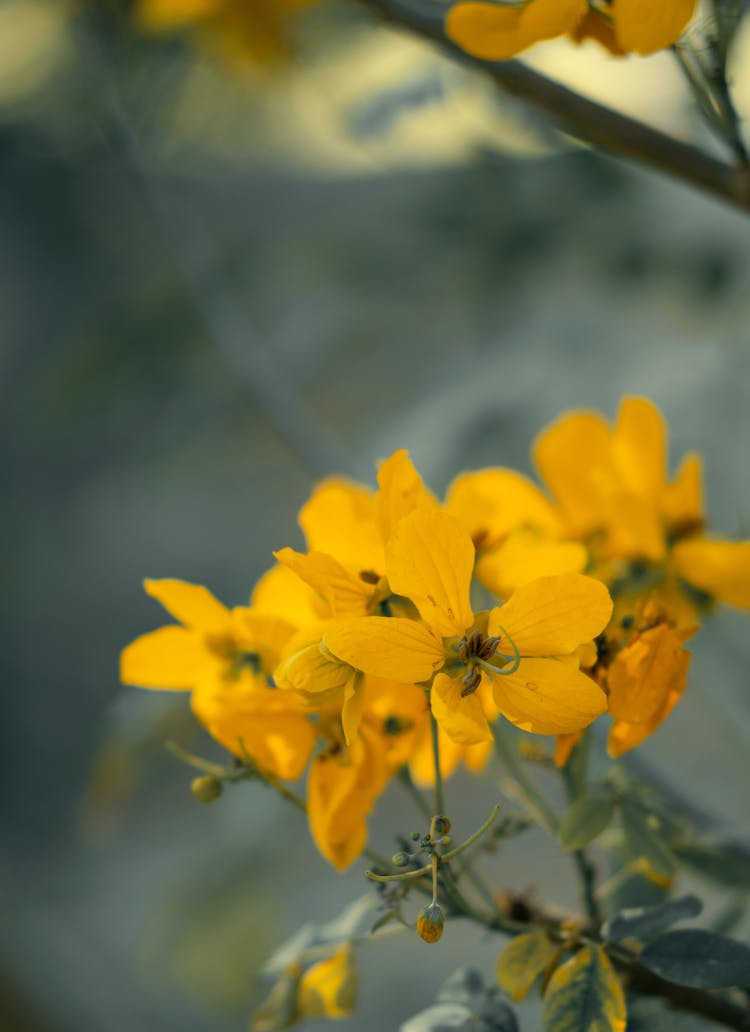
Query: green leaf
x=442 y=1017
x=647 y=922
x=699 y=958
x=726 y=863
x=643 y=839
x=586 y=818
x=585 y=993
x=522 y=960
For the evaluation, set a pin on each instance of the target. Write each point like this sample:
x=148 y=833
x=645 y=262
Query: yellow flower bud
x=430 y=922
x=206 y=789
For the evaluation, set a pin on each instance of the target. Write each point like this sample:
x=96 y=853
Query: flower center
x=477 y=647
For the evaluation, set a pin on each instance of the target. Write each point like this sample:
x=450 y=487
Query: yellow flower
x=328 y=989
x=499 y=31
x=224 y=658
x=515 y=529
x=517 y=650
x=612 y=489
x=248 y=29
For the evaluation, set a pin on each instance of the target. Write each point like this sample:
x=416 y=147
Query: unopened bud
x=400 y=859
x=441 y=825
x=206 y=788
x=430 y=922
x=446 y=840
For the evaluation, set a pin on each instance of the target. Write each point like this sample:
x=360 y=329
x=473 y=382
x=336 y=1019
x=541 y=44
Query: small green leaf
x=522 y=960
x=644 y=840
x=700 y=959
x=647 y=922
x=585 y=993
x=442 y=1017
x=727 y=864
x=586 y=818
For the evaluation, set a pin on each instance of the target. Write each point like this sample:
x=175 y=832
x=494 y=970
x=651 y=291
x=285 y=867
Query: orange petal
x=388 y=647
x=722 y=568
x=463 y=720
x=645 y=674
x=430 y=559
x=548 y=697
x=191 y=604
x=551 y=616
x=172 y=657
x=401 y=492
x=645 y=27
x=495 y=33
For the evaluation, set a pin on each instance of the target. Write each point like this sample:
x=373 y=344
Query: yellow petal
x=523 y=557
x=159 y=15
x=639 y=449
x=573 y=457
x=564 y=746
x=401 y=492
x=191 y=604
x=548 y=697
x=343 y=593
x=645 y=674
x=495 y=33
x=267 y=724
x=463 y=720
x=492 y=503
x=645 y=27
x=172 y=657
x=280 y=592
x=682 y=502
x=351 y=713
x=388 y=647
x=339 y=519
x=317 y=676
x=551 y=616
x=721 y=568
x=262 y=634
x=341 y=791
x=329 y=988
x=430 y=559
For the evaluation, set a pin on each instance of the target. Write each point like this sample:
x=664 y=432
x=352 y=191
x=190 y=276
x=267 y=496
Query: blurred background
x=227 y=271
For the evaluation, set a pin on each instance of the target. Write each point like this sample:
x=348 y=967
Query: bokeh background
x=220 y=282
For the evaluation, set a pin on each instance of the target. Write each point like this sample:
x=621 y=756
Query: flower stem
x=439 y=793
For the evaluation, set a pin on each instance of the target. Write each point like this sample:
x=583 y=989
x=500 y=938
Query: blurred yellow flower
x=497 y=31
x=256 y=30
x=224 y=658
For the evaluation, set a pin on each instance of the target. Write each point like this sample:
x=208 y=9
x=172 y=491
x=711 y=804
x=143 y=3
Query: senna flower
x=224 y=658
x=514 y=660
x=497 y=31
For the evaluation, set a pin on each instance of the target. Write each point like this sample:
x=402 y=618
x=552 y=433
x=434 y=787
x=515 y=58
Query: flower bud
x=441 y=825
x=206 y=789
x=430 y=922
x=400 y=859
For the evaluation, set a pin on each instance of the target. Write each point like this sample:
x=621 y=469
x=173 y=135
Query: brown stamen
x=369 y=576
x=471 y=681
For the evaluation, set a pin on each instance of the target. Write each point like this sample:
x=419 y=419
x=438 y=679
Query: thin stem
x=439 y=793
x=404 y=776
x=586 y=870
x=533 y=798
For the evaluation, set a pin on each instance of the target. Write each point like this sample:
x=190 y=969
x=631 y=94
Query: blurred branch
x=593 y=122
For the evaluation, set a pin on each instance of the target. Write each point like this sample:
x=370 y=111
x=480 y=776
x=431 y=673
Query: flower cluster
x=497 y=31
x=371 y=650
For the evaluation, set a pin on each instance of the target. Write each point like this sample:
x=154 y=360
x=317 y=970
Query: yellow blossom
x=224 y=658
x=499 y=31
x=328 y=989
x=508 y=660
